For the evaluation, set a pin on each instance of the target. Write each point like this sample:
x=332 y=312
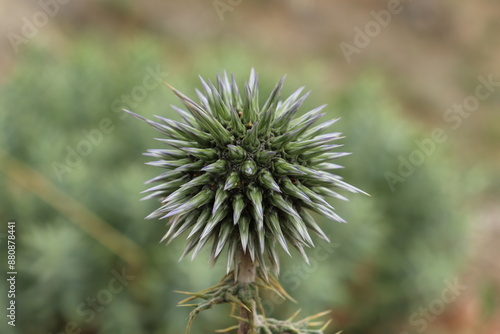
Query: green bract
x=242 y=176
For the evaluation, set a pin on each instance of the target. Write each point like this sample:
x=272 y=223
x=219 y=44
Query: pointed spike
x=237 y=101
x=266 y=180
x=318 y=129
x=187 y=131
x=220 y=196
x=198 y=181
x=206 y=154
x=261 y=235
x=217 y=167
x=168 y=175
x=200 y=222
x=244 y=228
x=214 y=221
x=281 y=167
x=190 y=246
x=167 y=154
x=275 y=225
x=274 y=257
x=283 y=205
x=251 y=246
x=301 y=227
x=294 y=315
x=211 y=124
x=283 y=106
x=200 y=199
x=199 y=246
x=254 y=194
x=312 y=114
x=311 y=223
x=238 y=206
x=251 y=141
x=231 y=251
x=282 y=122
x=188 y=223
x=224 y=233
x=174 y=224
x=330 y=193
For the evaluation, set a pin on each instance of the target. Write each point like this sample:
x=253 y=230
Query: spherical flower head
x=242 y=176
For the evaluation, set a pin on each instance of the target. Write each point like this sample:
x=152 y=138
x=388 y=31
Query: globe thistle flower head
x=242 y=176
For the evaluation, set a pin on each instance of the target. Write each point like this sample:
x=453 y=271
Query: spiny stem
x=245 y=276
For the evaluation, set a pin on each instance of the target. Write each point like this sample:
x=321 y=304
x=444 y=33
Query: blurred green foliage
x=390 y=259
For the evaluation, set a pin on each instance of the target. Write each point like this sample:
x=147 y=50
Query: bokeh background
x=418 y=256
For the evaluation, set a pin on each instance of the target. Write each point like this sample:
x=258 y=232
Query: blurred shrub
x=399 y=246
x=390 y=259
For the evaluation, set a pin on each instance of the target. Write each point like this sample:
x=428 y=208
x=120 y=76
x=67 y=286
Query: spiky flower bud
x=241 y=176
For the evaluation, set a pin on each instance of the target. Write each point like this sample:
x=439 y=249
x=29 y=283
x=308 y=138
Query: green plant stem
x=245 y=276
